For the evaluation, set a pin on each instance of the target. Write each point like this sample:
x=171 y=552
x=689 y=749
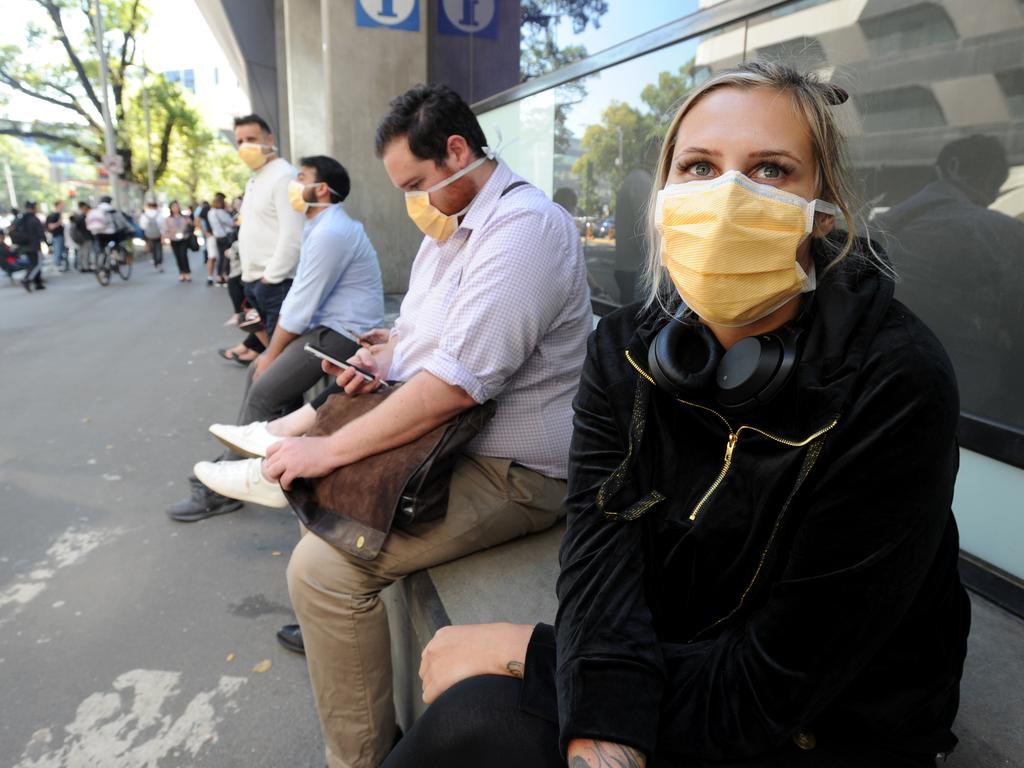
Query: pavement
x=128 y=640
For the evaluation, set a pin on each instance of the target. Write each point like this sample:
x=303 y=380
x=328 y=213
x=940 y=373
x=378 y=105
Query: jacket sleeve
x=875 y=515
x=610 y=673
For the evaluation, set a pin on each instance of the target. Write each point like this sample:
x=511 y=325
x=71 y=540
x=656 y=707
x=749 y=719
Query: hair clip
x=836 y=95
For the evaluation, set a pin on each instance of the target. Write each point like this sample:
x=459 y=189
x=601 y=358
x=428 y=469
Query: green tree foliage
x=628 y=137
x=30 y=172
x=58 y=66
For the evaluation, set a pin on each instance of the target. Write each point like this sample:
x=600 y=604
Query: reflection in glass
x=962 y=269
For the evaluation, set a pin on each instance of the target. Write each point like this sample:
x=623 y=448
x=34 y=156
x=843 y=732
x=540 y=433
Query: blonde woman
x=760 y=562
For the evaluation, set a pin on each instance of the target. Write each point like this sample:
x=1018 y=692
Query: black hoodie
x=791 y=600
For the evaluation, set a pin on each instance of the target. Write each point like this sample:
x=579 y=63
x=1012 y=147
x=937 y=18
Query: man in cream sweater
x=271 y=231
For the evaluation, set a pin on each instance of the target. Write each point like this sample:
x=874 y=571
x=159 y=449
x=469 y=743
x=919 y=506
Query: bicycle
x=113 y=256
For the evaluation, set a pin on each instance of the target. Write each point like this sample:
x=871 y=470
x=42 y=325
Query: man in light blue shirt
x=337 y=295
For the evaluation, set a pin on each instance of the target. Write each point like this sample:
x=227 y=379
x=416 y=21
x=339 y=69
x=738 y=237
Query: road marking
x=69 y=549
x=127 y=727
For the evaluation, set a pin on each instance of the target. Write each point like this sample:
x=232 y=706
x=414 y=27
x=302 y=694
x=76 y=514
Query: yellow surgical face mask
x=729 y=244
x=297 y=196
x=255 y=155
x=432 y=222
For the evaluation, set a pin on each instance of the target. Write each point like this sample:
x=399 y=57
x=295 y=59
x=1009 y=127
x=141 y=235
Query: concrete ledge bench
x=516 y=582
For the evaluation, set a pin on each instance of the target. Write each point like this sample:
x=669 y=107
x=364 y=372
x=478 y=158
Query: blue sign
x=468 y=17
x=391 y=14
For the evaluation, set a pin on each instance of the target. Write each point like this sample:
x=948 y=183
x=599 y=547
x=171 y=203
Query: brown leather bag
x=355 y=506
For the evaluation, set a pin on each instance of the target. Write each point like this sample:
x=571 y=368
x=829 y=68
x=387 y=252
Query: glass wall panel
x=936 y=125
x=481 y=47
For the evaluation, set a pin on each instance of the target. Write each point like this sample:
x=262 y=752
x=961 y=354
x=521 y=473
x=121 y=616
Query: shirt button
x=360 y=542
x=805 y=740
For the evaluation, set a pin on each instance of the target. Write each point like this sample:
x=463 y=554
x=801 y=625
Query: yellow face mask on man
x=297 y=196
x=432 y=222
x=729 y=244
x=255 y=155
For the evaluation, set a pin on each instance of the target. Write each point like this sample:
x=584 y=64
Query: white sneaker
x=241 y=480
x=250 y=440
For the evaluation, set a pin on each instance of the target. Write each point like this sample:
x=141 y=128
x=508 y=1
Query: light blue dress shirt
x=338 y=280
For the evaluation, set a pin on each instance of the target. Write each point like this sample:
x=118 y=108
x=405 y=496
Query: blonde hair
x=814 y=102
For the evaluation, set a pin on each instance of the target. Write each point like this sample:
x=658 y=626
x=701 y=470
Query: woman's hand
x=457 y=653
x=295 y=457
x=587 y=753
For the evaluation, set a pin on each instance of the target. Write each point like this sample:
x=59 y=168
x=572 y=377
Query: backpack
x=151 y=228
x=79 y=233
x=19 y=230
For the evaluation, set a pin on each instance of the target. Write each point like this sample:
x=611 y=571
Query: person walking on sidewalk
x=27 y=235
x=152 y=229
x=55 y=229
x=178 y=230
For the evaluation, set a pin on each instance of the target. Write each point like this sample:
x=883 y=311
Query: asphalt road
x=128 y=640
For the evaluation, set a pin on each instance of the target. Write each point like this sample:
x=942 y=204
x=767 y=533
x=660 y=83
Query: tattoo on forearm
x=515 y=668
x=601 y=754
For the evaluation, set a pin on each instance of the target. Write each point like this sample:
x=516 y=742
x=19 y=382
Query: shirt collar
x=483 y=204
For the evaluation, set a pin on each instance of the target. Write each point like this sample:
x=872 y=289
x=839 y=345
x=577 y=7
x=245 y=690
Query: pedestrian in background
x=222 y=227
x=178 y=230
x=55 y=229
x=152 y=229
x=85 y=243
x=27 y=236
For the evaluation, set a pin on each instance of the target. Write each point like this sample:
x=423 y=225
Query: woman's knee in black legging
x=479 y=722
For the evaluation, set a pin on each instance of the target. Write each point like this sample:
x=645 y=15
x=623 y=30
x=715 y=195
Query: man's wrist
x=337 y=449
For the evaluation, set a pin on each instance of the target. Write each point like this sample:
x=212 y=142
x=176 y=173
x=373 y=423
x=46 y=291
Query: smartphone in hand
x=333 y=361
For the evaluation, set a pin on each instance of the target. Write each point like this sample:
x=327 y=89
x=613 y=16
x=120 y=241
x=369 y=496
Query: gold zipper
x=734 y=436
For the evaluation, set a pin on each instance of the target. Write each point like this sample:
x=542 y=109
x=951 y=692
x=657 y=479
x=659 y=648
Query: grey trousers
x=279 y=390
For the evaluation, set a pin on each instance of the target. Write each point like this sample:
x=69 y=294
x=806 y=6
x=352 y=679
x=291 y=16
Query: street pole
x=150 y=194
x=10 y=184
x=108 y=126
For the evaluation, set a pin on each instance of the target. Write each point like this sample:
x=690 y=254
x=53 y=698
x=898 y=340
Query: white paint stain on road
x=128 y=727
x=68 y=550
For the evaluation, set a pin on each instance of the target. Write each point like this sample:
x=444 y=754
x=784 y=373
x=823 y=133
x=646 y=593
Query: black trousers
x=479 y=722
x=237 y=292
x=35 y=270
x=156 y=249
x=180 y=248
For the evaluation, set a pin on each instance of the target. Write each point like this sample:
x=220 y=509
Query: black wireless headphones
x=685 y=358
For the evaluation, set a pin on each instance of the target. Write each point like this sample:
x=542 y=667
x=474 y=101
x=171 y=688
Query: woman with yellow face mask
x=760 y=561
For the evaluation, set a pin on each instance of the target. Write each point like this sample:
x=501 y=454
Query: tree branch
x=165 y=148
x=47 y=135
x=54 y=12
x=19 y=85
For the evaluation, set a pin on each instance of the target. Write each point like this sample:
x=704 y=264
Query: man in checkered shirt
x=497 y=308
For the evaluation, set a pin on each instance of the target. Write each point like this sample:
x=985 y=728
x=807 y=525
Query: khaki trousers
x=344 y=624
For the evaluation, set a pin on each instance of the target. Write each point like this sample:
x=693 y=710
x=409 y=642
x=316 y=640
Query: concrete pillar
x=304 y=79
x=363 y=69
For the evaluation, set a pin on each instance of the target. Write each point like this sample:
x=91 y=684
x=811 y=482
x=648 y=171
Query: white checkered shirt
x=502 y=309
